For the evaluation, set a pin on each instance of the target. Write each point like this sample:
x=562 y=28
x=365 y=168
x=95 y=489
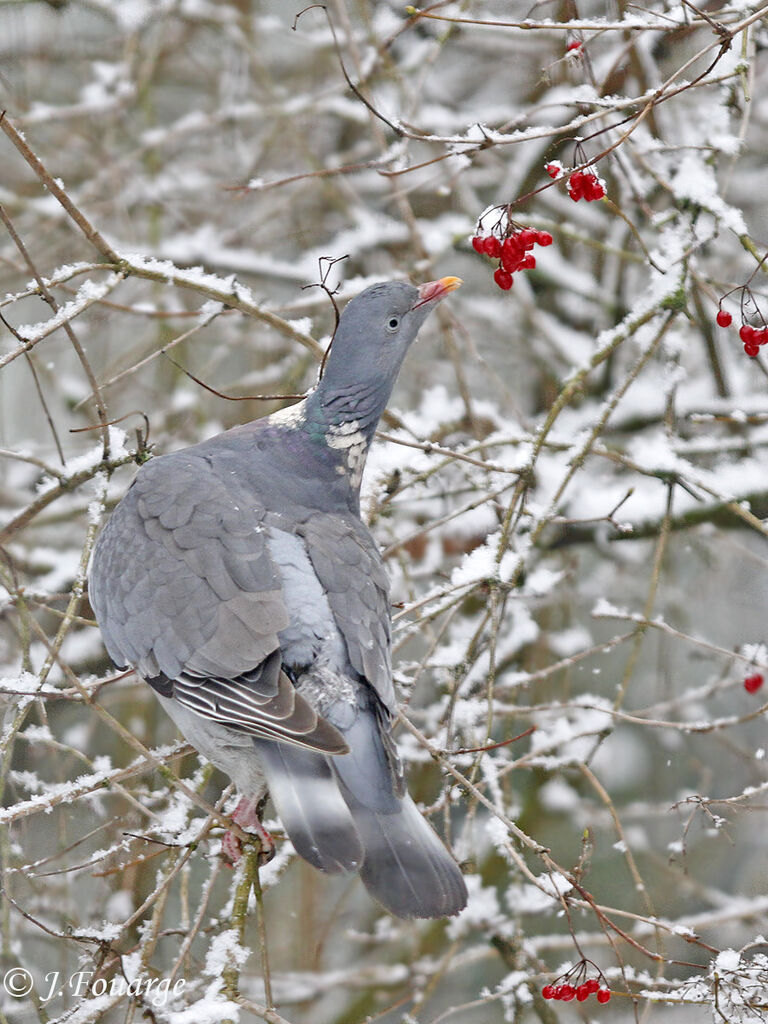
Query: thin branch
x=56 y=190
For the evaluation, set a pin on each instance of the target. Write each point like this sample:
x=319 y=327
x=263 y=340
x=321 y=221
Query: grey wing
x=185 y=591
x=262 y=703
x=348 y=564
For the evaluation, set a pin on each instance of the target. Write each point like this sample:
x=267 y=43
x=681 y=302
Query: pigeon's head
x=376 y=329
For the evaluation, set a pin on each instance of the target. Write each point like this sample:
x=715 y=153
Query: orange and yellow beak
x=433 y=291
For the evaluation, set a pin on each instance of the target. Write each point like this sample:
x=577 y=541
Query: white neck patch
x=292 y=416
x=351 y=440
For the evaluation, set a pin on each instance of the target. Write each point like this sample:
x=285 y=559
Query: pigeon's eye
x=393 y=323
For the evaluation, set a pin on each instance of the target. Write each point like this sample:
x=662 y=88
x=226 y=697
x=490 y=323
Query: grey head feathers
x=374 y=334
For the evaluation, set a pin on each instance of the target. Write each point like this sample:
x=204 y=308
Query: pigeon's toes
x=246 y=815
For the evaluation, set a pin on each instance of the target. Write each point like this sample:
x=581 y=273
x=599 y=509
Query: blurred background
x=569 y=489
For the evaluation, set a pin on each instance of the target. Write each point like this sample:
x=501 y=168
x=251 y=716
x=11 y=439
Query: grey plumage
x=238 y=579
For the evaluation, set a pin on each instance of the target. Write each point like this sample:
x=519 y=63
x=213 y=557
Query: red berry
x=574 y=44
x=751 y=350
x=753 y=683
x=567 y=992
x=761 y=336
x=478 y=244
x=503 y=279
x=557 y=992
x=554 y=170
x=529 y=262
x=544 y=238
x=512 y=254
x=527 y=238
x=576 y=186
x=603 y=995
x=747 y=333
x=492 y=246
x=592 y=188
x=548 y=992
x=582 y=993
x=593 y=985
x=724 y=318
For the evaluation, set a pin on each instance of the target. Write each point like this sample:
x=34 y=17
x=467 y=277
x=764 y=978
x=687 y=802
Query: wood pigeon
x=238 y=579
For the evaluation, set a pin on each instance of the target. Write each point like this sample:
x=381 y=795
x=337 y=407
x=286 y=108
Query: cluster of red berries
x=575 y=984
x=581 y=184
x=753 y=683
x=752 y=337
x=585 y=185
x=513 y=251
x=581 y=992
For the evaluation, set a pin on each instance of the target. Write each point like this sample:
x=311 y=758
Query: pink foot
x=246 y=815
x=231 y=847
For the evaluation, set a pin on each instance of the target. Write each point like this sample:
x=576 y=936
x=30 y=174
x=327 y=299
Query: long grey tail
x=406 y=867
x=351 y=813
x=306 y=796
